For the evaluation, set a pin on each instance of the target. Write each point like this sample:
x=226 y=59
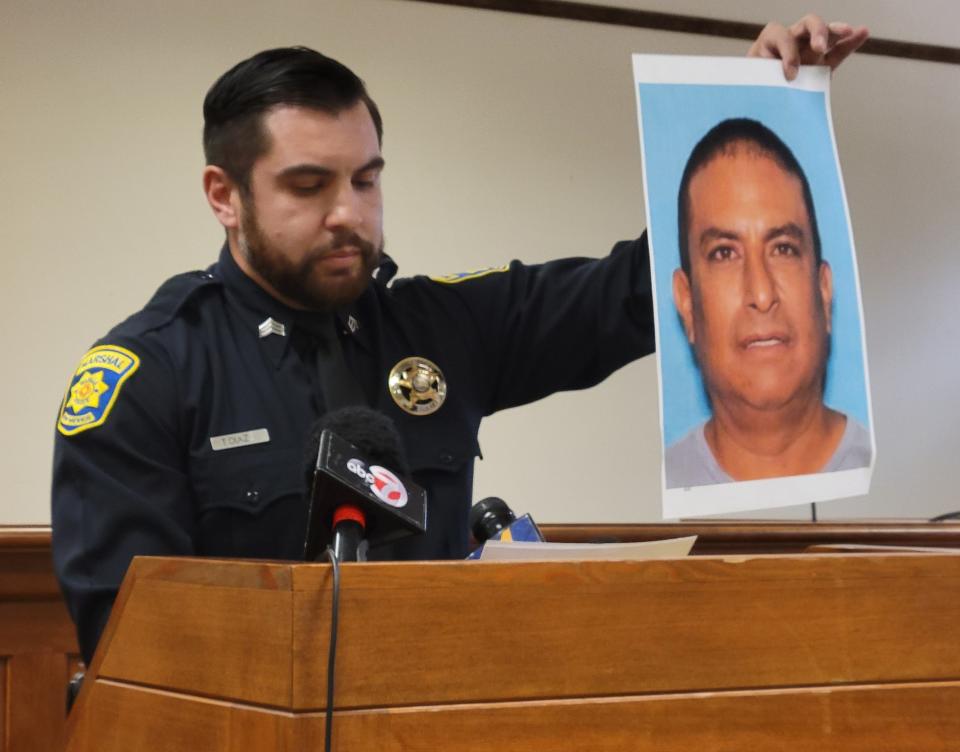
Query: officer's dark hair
x=233 y=110
x=724 y=139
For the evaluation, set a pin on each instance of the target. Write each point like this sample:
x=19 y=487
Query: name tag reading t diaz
x=243 y=438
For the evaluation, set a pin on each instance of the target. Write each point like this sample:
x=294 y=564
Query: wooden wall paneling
x=37 y=644
x=31 y=626
x=35 y=709
x=4 y=735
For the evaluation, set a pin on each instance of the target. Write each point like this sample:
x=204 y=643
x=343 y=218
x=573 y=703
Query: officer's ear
x=683 y=300
x=223 y=195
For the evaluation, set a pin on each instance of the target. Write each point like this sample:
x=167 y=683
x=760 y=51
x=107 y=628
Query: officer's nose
x=345 y=212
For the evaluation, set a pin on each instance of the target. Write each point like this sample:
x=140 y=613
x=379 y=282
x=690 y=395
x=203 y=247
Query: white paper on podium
x=680 y=99
x=673 y=548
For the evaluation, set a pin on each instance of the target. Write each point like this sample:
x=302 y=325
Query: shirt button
x=252 y=497
x=446 y=458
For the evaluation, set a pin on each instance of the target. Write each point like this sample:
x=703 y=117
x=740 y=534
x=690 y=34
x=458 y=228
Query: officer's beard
x=299 y=281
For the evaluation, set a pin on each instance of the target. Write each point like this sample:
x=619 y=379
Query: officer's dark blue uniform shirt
x=135 y=471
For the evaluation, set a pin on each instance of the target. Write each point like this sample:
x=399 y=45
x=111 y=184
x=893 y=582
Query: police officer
x=183 y=430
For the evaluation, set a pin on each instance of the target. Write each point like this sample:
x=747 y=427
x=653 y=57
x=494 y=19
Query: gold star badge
x=417 y=385
x=86 y=392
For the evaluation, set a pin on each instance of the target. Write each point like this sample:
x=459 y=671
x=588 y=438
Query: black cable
x=813 y=512
x=945 y=517
x=332 y=653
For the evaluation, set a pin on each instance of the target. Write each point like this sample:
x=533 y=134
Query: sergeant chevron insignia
x=271 y=326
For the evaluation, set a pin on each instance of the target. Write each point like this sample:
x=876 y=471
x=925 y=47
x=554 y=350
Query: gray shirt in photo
x=689 y=461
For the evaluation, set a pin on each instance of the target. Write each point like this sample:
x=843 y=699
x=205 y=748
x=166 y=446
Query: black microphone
x=357 y=495
x=488 y=517
x=492 y=519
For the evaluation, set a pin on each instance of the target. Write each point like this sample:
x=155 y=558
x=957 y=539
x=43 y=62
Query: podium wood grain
x=38 y=650
x=852 y=719
x=800 y=652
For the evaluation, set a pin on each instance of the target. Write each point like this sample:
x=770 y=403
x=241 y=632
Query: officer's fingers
x=839 y=30
x=812 y=36
x=776 y=41
x=845 y=41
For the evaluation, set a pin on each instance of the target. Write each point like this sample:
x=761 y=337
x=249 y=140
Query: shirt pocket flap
x=247 y=481
x=440 y=451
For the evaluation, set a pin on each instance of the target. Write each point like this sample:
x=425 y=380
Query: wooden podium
x=799 y=652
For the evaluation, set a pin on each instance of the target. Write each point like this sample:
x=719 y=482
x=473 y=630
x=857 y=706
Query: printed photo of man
x=754 y=295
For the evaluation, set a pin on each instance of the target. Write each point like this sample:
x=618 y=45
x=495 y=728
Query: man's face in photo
x=756 y=306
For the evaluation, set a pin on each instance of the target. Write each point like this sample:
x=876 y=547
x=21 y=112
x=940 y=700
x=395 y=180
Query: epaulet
x=455 y=279
x=171 y=297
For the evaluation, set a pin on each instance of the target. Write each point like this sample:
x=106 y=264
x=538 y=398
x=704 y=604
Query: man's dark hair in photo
x=724 y=139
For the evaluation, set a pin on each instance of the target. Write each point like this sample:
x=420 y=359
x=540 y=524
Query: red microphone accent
x=349 y=512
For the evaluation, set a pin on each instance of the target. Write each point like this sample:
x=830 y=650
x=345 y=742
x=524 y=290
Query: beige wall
x=506 y=136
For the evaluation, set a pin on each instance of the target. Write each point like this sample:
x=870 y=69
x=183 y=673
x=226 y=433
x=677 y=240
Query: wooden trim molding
x=26 y=568
x=646 y=19
x=717 y=537
x=26 y=550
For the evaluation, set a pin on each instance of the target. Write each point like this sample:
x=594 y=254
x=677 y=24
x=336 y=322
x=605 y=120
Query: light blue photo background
x=675 y=117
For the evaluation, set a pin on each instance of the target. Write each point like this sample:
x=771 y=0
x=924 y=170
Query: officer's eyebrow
x=305 y=170
x=315 y=170
x=377 y=163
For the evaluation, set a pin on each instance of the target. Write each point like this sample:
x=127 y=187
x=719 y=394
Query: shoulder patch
x=452 y=279
x=94 y=388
